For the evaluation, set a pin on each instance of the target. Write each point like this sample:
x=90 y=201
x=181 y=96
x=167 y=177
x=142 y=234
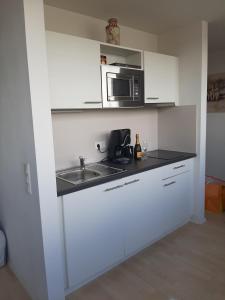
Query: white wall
x=41 y=113
x=216 y=62
x=73 y=134
x=215 y=138
x=215 y=145
x=177 y=128
x=30 y=220
x=20 y=212
x=190 y=44
x=65 y=21
x=76 y=133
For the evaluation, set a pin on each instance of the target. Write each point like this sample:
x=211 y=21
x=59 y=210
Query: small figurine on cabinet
x=113 y=32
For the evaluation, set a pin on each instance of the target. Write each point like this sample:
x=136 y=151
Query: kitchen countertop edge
x=70 y=188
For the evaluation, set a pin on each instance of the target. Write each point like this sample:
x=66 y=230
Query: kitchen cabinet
x=141 y=212
x=93 y=227
x=161 y=78
x=74 y=71
x=175 y=194
x=75 y=75
x=159 y=204
x=105 y=224
x=176 y=200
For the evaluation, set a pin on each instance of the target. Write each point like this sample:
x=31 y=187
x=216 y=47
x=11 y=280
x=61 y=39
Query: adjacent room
x=112 y=183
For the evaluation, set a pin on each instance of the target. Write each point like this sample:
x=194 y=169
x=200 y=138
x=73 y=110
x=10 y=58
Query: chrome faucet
x=82 y=163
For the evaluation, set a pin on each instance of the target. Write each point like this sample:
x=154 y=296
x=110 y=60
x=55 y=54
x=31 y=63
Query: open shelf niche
x=123 y=55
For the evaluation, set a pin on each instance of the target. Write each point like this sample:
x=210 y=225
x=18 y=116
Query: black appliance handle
x=124 y=141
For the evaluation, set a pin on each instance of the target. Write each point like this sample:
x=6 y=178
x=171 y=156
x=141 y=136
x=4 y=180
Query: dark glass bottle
x=137 y=149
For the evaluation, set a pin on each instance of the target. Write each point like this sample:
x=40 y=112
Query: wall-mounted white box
x=2 y=249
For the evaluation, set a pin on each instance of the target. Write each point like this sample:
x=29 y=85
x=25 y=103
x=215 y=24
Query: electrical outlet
x=102 y=145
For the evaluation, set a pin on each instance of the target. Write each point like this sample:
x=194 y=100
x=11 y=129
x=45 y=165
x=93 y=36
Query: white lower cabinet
x=157 y=206
x=94 y=236
x=176 y=200
x=141 y=213
x=105 y=224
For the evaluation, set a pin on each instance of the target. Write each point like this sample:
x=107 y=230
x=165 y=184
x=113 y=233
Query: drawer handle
x=132 y=181
x=113 y=188
x=178 y=167
x=92 y=102
x=170 y=183
x=152 y=98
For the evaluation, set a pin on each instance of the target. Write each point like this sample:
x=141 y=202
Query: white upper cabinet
x=75 y=75
x=161 y=78
x=74 y=71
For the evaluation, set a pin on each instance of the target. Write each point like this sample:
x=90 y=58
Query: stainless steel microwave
x=122 y=87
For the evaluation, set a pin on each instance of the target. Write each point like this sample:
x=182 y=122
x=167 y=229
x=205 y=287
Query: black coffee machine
x=119 y=149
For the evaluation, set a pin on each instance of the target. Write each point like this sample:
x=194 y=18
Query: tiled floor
x=186 y=265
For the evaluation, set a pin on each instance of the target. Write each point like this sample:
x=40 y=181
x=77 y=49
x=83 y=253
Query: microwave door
x=119 y=87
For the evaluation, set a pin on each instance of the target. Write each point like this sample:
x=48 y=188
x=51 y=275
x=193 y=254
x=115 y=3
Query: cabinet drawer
x=176 y=193
x=176 y=168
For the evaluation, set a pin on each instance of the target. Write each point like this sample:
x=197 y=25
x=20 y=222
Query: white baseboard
x=198 y=220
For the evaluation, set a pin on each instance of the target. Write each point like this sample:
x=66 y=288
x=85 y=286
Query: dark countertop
x=154 y=159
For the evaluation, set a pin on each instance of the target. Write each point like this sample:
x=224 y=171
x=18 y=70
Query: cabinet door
x=143 y=212
x=94 y=235
x=161 y=78
x=74 y=71
x=176 y=197
x=155 y=206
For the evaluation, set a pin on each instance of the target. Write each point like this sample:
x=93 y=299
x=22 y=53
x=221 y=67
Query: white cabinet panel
x=161 y=78
x=93 y=231
x=141 y=213
x=176 y=168
x=105 y=224
x=157 y=204
x=74 y=71
x=175 y=193
x=176 y=196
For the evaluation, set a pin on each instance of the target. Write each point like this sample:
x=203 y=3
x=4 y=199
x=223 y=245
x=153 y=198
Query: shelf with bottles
x=127 y=57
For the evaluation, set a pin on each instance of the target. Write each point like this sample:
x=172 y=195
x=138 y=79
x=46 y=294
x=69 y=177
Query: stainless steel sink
x=76 y=176
x=91 y=172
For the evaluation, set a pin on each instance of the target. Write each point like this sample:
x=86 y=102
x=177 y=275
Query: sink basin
x=91 y=172
x=78 y=176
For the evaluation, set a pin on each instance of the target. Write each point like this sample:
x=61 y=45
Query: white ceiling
x=156 y=16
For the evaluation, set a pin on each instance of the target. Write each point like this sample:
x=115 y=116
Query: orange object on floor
x=215 y=197
x=223 y=197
